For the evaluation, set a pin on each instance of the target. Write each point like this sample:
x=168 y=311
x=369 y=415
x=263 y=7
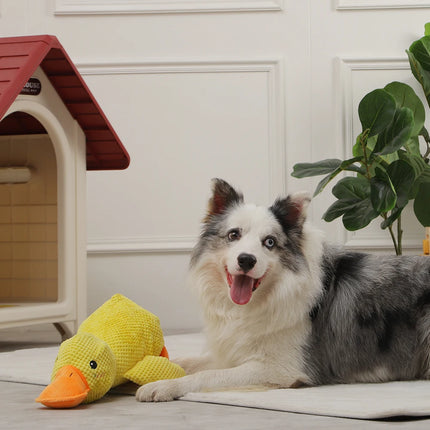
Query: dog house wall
x=68 y=142
x=81 y=137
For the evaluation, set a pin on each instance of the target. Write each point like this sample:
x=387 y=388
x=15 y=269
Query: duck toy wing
x=118 y=342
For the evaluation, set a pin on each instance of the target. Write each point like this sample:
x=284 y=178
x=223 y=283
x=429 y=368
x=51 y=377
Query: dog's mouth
x=242 y=287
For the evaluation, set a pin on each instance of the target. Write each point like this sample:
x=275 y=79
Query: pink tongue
x=241 y=289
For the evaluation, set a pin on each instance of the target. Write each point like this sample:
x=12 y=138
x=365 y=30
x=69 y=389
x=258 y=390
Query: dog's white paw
x=160 y=391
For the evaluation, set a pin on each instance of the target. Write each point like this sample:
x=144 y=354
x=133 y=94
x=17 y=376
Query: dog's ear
x=291 y=211
x=223 y=196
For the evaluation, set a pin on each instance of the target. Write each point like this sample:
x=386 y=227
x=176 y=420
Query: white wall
x=238 y=89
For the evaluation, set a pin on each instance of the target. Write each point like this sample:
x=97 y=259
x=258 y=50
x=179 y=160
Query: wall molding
x=176 y=65
x=381 y=4
x=143 y=245
x=381 y=242
x=271 y=67
x=114 y=7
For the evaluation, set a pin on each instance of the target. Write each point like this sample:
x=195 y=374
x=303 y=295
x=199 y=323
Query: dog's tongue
x=241 y=289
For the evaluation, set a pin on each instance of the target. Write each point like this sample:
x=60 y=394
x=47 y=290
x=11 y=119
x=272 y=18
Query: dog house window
x=28 y=212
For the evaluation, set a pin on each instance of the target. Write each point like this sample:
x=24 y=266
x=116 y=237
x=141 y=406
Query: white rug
x=364 y=401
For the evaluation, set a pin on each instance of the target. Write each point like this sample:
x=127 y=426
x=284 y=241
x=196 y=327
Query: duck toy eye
x=93 y=364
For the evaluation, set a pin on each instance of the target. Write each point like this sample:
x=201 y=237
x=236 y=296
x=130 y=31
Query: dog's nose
x=246 y=261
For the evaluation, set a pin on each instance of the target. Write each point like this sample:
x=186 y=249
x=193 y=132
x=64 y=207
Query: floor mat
x=364 y=401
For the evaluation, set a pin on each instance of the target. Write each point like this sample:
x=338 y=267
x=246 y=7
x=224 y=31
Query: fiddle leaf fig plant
x=390 y=158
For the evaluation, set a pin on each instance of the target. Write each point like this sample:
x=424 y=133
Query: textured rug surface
x=364 y=401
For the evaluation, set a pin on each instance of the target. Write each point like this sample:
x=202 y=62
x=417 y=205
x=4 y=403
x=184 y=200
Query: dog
x=283 y=308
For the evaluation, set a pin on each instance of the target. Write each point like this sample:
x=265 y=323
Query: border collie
x=282 y=308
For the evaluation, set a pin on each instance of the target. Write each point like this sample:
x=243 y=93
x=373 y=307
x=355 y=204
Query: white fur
x=259 y=343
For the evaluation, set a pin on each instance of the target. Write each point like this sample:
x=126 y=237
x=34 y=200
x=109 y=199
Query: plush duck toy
x=117 y=343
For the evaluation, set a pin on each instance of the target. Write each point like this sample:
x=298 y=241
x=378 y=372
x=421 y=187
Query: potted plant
x=390 y=159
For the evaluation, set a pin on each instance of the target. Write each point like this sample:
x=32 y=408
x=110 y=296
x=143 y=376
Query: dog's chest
x=234 y=342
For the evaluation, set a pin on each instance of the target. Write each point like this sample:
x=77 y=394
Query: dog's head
x=249 y=245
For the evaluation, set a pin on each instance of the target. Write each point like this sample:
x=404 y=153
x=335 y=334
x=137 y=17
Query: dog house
x=51 y=131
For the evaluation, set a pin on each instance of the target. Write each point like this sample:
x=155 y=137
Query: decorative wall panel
x=175 y=104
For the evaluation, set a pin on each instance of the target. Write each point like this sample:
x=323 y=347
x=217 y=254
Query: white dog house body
x=51 y=131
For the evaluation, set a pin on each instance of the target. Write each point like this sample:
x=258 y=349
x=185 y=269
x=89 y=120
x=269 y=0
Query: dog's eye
x=233 y=235
x=269 y=242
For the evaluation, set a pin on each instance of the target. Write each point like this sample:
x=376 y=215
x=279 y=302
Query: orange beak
x=68 y=389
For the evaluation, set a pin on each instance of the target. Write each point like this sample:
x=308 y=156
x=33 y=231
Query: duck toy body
x=118 y=342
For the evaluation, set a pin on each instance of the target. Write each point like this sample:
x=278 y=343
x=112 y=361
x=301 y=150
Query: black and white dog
x=282 y=308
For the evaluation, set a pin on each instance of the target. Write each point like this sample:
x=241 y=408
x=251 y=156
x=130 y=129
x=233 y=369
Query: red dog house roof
x=19 y=58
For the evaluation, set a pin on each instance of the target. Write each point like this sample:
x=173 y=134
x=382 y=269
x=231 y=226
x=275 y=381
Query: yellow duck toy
x=118 y=342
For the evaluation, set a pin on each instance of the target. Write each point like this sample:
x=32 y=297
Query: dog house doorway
x=28 y=213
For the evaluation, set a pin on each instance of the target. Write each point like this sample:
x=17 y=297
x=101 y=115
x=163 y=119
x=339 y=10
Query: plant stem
x=399 y=236
x=393 y=237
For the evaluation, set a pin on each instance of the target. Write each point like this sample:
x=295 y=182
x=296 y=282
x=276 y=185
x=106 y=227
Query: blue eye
x=269 y=242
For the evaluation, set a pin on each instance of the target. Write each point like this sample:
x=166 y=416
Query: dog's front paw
x=160 y=391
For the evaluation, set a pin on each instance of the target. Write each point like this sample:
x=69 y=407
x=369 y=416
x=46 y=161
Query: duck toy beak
x=68 y=389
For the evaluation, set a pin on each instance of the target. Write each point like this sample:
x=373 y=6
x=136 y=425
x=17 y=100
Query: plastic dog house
x=51 y=131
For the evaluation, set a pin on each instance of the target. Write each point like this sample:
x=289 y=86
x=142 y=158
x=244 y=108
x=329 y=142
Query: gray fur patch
x=372 y=321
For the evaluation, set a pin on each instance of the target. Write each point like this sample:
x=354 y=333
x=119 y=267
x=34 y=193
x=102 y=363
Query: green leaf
x=382 y=193
x=395 y=213
x=345 y=165
x=338 y=208
x=421 y=51
x=304 y=170
x=354 y=202
x=415 y=161
x=413 y=146
x=323 y=183
x=389 y=158
x=396 y=134
x=376 y=111
x=422 y=204
x=402 y=177
x=357 y=149
x=405 y=96
x=421 y=171
x=427 y=29
x=421 y=75
x=351 y=167
x=360 y=216
x=356 y=213
x=352 y=188
x=423 y=178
